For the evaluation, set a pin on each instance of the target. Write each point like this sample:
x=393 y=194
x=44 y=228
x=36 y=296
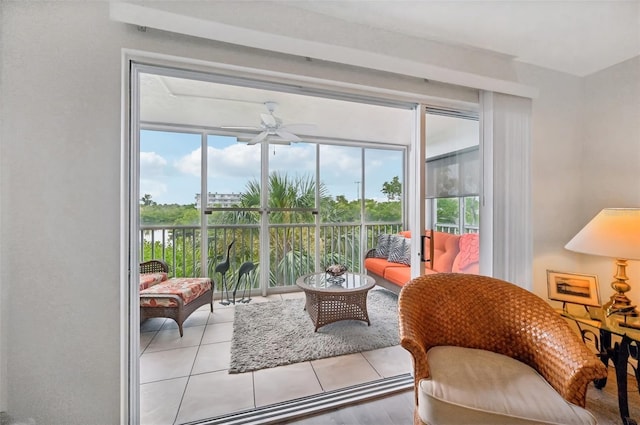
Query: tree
x=392 y=189
x=146 y=200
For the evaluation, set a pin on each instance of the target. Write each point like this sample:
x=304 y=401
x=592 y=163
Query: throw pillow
x=382 y=250
x=400 y=250
x=469 y=249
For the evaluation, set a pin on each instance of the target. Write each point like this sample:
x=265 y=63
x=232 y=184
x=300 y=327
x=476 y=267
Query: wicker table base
x=327 y=303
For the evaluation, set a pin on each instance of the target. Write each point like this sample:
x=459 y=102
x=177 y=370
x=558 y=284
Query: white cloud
x=237 y=160
x=152 y=164
x=190 y=163
x=154 y=188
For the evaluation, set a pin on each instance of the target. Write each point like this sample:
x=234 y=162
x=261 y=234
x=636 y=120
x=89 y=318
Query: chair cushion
x=150 y=279
x=187 y=288
x=471 y=386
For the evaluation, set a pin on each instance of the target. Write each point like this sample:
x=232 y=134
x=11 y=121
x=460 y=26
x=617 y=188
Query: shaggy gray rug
x=278 y=333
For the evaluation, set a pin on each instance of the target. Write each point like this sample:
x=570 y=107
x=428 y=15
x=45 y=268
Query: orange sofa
x=451 y=253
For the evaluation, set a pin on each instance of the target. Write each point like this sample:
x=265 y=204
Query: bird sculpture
x=244 y=269
x=223 y=268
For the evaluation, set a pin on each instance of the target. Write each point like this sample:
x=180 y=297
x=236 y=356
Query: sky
x=170 y=165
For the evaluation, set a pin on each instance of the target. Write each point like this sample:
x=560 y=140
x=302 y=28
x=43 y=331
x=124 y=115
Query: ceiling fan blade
x=269 y=120
x=237 y=127
x=288 y=136
x=300 y=128
x=259 y=138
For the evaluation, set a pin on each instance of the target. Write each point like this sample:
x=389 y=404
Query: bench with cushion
x=174 y=298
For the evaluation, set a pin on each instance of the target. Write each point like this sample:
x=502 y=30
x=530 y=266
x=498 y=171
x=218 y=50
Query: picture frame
x=573 y=288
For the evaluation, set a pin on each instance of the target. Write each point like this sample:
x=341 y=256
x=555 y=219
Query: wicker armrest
x=154 y=266
x=482 y=312
x=569 y=366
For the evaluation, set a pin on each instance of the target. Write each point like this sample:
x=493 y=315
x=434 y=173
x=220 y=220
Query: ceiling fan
x=271 y=126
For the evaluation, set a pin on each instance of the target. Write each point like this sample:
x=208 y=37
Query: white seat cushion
x=470 y=386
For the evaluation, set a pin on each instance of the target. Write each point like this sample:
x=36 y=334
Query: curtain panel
x=506 y=131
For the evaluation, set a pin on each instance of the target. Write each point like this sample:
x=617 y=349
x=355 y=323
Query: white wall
x=60 y=199
x=60 y=212
x=586 y=151
x=610 y=166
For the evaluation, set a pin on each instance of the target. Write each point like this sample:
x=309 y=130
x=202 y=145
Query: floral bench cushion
x=187 y=288
x=149 y=279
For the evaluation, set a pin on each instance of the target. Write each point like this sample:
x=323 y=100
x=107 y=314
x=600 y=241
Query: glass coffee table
x=330 y=299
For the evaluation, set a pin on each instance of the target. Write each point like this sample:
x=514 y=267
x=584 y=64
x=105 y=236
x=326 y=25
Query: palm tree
x=286 y=192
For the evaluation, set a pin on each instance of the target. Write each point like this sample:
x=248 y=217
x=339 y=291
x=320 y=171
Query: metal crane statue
x=244 y=269
x=223 y=268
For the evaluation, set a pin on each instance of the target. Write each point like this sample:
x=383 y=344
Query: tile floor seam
x=317 y=377
x=184 y=392
x=372 y=366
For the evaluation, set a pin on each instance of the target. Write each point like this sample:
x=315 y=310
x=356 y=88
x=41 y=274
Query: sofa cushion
x=400 y=250
x=187 y=288
x=378 y=265
x=476 y=386
x=397 y=274
x=445 y=250
x=150 y=279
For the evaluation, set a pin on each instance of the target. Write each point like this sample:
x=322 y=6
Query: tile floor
x=186 y=379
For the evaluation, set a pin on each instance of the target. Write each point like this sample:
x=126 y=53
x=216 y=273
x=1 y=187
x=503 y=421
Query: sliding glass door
x=453 y=184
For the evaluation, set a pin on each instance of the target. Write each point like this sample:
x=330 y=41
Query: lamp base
x=620 y=305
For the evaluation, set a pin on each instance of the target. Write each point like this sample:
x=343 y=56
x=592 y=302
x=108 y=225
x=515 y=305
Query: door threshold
x=311 y=405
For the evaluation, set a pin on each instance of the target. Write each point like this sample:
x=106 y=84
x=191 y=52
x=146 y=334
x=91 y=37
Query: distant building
x=220 y=199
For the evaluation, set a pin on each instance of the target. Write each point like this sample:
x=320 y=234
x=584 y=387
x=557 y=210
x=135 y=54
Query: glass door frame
x=133 y=65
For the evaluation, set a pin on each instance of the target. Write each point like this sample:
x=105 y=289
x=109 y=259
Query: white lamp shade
x=614 y=232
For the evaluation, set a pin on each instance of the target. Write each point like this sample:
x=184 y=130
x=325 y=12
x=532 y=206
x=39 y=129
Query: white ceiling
x=578 y=37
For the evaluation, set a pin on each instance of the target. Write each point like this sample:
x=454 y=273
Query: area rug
x=278 y=333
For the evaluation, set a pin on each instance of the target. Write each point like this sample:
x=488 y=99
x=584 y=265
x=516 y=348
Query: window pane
x=384 y=185
x=169 y=177
x=340 y=183
x=471 y=214
x=233 y=173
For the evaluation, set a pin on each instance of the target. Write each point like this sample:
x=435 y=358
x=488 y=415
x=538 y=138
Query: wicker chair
x=174 y=298
x=479 y=312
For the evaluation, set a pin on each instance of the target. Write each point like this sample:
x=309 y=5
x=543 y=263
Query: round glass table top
x=326 y=282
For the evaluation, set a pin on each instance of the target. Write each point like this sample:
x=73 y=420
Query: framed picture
x=573 y=288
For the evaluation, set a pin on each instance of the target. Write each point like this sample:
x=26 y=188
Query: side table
x=330 y=299
x=618 y=352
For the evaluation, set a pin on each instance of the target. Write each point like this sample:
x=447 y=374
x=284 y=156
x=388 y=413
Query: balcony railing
x=292 y=248
x=455 y=228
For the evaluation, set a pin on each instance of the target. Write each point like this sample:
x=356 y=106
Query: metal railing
x=293 y=248
x=455 y=228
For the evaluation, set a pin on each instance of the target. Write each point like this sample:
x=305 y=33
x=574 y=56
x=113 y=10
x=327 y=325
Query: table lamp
x=614 y=232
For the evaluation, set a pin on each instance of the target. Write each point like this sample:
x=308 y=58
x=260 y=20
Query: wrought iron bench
x=174 y=298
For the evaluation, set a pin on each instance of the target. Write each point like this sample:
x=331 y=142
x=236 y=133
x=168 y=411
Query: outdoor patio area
x=186 y=379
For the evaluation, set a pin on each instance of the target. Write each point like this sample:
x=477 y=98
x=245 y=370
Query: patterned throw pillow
x=382 y=250
x=399 y=250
